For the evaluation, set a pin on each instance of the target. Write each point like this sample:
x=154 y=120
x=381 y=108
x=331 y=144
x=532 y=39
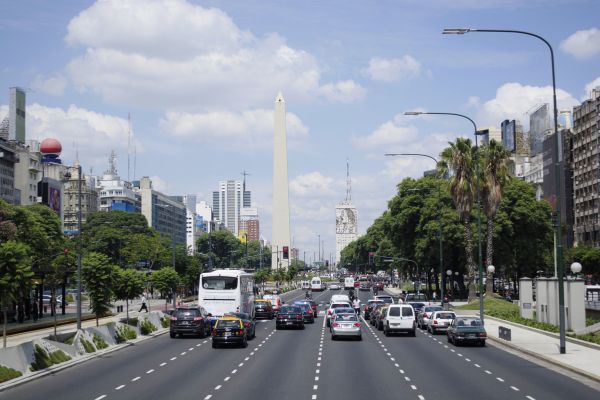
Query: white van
x=349 y=282
x=399 y=318
x=316 y=285
x=305 y=285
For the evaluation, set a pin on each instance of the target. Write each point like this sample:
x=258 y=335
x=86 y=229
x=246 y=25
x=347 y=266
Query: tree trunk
x=127 y=308
x=489 y=254
x=470 y=262
x=5 y=315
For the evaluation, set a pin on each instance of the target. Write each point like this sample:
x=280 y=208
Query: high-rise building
x=115 y=193
x=8 y=159
x=89 y=198
x=540 y=126
x=16 y=115
x=28 y=171
x=249 y=223
x=586 y=170
x=346 y=220
x=227 y=203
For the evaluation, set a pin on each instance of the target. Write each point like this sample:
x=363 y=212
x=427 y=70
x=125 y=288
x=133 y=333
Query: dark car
x=229 y=330
x=375 y=311
x=369 y=306
x=417 y=306
x=307 y=310
x=193 y=320
x=263 y=309
x=364 y=286
x=466 y=330
x=290 y=316
x=247 y=321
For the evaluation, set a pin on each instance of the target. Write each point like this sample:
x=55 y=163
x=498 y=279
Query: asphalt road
x=306 y=364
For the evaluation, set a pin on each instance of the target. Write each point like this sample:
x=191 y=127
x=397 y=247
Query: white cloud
x=343 y=91
x=513 y=100
x=582 y=44
x=390 y=70
x=159 y=184
x=185 y=57
x=311 y=185
x=248 y=128
x=389 y=133
x=590 y=86
x=54 y=86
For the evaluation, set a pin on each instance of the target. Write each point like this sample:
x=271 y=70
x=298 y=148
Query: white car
x=440 y=321
x=386 y=298
x=334 y=305
x=346 y=325
x=275 y=301
x=340 y=298
x=334 y=286
x=399 y=318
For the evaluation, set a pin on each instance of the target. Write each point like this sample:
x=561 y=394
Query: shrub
x=70 y=298
x=99 y=342
x=589 y=337
x=591 y=321
x=165 y=322
x=44 y=360
x=70 y=340
x=124 y=333
x=7 y=373
x=89 y=348
x=147 y=327
x=132 y=321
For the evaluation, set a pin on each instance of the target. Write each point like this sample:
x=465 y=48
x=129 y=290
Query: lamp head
x=413 y=113
x=576 y=267
x=449 y=272
x=456 y=31
x=491 y=269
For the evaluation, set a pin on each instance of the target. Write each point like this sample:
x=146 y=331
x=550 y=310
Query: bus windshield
x=219 y=282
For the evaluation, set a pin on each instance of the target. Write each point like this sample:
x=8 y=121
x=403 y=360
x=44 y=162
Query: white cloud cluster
x=54 y=86
x=395 y=69
x=248 y=128
x=389 y=133
x=311 y=185
x=182 y=56
x=582 y=44
x=590 y=86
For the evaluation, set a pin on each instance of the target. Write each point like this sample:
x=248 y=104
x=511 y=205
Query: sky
x=199 y=80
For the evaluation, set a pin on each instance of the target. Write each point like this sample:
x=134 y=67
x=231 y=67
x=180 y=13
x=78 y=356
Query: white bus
x=223 y=291
x=315 y=284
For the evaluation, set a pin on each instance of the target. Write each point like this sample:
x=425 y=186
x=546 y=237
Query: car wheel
x=433 y=331
x=385 y=330
x=172 y=334
x=413 y=333
x=276 y=327
x=302 y=326
x=359 y=338
x=333 y=337
x=448 y=338
x=214 y=345
x=482 y=343
x=245 y=343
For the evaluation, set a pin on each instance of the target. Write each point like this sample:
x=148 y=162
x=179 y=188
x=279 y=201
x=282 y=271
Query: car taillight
x=310 y=311
x=198 y=318
x=357 y=324
x=435 y=321
x=336 y=325
x=482 y=334
x=247 y=324
x=328 y=312
x=173 y=318
x=298 y=316
x=280 y=316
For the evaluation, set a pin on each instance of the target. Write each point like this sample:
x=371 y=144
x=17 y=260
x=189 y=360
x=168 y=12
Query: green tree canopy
x=98 y=275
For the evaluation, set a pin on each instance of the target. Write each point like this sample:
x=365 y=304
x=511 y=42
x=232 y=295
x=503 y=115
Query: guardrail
x=592 y=305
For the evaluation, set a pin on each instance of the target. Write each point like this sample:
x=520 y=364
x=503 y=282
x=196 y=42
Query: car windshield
x=394 y=312
x=372 y=303
x=417 y=297
x=192 y=312
x=290 y=309
x=346 y=317
x=445 y=315
x=338 y=305
x=407 y=311
x=432 y=309
x=262 y=303
x=228 y=323
x=219 y=282
x=343 y=310
x=464 y=322
x=240 y=315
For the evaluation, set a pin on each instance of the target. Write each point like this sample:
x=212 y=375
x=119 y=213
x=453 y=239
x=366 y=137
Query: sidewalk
x=36 y=332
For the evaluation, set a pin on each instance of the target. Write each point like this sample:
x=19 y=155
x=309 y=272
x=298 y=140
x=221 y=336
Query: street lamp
x=576 y=268
x=491 y=269
x=439 y=215
x=557 y=228
x=478 y=178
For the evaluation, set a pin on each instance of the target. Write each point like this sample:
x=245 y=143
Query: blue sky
x=199 y=79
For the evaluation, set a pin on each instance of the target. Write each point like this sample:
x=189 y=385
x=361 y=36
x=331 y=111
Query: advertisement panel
x=509 y=134
x=50 y=191
x=345 y=220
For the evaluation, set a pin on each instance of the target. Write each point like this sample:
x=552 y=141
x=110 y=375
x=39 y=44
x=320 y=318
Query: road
x=306 y=364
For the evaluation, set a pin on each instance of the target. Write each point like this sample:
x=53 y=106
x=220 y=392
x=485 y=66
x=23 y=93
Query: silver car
x=440 y=321
x=346 y=325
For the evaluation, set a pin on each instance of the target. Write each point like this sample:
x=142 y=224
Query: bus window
x=219 y=282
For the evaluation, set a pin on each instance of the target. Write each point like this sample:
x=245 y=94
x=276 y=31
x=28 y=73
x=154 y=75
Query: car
x=189 y=320
x=364 y=286
x=332 y=306
x=339 y=311
x=369 y=306
x=311 y=303
x=386 y=298
x=379 y=315
x=440 y=320
x=424 y=316
x=340 y=298
x=466 y=330
x=229 y=330
x=58 y=300
x=275 y=301
x=248 y=322
x=289 y=316
x=346 y=325
x=334 y=286
x=417 y=306
x=374 y=311
x=399 y=318
x=263 y=309
x=307 y=311
x=416 y=297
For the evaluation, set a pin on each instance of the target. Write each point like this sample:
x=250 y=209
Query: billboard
x=345 y=220
x=50 y=191
x=509 y=134
x=16 y=114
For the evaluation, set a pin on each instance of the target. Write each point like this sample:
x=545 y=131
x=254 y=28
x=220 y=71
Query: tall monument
x=280 y=241
x=346 y=219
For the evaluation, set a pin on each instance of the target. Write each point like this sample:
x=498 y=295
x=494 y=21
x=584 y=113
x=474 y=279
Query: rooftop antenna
x=348 y=183
x=134 y=159
x=245 y=174
x=128 y=145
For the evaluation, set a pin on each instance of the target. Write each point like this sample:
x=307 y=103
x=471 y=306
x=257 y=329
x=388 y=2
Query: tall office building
x=16 y=115
x=227 y=203
x=89 y=199
x=346 y=220
x=540 y=126
x=249 y=223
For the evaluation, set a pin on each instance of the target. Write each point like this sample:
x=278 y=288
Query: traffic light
x=286 y=252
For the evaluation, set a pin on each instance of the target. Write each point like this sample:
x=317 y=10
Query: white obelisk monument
x=281 y=203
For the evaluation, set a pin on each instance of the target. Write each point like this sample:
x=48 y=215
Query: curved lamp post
x=557 y=227
x=476 y=133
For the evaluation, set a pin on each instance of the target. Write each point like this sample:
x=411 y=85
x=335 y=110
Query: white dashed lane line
x=150 y=371
x=100 y=397
x=162 y=364
x=136 y=378
x=120 y=387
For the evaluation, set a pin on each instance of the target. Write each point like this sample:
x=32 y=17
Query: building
x=493 y=133
x=227 y=203
x=190 y=231
x=586 y=170
x=8 y=160
x=165 y=215
x=540 y=126
x=249 y=223
x=16 y=115
x=346 y=220
x=115 y=193
x=89 y=198
x=28 y=171
x=204 y=218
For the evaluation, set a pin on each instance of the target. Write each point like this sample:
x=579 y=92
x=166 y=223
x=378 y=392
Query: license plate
x=346 y=326
x=185 y=323
x=289 y=323
x=227 y=334
x=471 y=335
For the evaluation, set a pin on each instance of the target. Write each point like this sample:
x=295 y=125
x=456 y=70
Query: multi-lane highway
x=306 y=364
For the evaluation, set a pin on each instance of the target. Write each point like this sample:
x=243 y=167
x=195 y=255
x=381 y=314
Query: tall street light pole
x=79 y=247
x=478 y=178
x=558 y=245
x=439 y=218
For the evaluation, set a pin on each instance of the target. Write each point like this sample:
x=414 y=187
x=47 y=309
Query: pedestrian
x=356 y=305
x=434 y=296
x=144 y=306
x=34 y=311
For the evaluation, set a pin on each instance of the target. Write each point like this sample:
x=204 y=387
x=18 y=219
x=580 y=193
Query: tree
x=150 y=250
x=495 y=176
x=459 y=158
x=15 y=274
x=165 y=280
x=221 y=247
x=98 y=274
x=192 y=274
x=128 y=284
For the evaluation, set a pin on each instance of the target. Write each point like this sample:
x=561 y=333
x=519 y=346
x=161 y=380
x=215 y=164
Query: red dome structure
x=50 y=146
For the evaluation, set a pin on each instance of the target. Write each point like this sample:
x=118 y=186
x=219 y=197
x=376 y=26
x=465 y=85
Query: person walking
x=356 y=305
x=144 y=306
x=34 y=311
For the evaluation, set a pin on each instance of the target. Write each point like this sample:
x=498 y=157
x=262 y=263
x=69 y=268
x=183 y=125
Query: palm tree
x=459 y=159
x=495 y=174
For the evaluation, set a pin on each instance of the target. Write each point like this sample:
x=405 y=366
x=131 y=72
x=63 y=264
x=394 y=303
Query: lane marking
x=119 y=387
x=500 y=379
x=208 y=397
x=318 y=364
x=190 y=349
x=173 y=358
x=317 y=371
x=234 y=371
x=530 y=398
x=226 y=379
x=516 y=389
x=316 y=378
x=199 y=344
x=314 y=397
x=246 y=359
x=182 y=353
x=100 y=397
x=488 y=372
x=467 y=359
x=315 y=387
x=240 y=364
x=477 y=365
x=162 y=364
x=217 y=387
x=136 y=378
x=150 y=371
x=407 y=379
x=421 y=397
x=413 y=387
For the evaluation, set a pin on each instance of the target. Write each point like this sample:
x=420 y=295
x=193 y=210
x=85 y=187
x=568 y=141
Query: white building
x=227 y=203
x=28 y=172
x=346 y=220
x=117 y=194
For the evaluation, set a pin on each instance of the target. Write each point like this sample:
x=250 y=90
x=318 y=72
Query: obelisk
x=281 y=204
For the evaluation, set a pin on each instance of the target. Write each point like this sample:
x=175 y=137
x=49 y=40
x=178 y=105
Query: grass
x=147 y=327
x=589 y=337
x=89 y=348
x=124 y=333
x=43 y=359
x=591 y=321
x=165 y=322
x=7 y=373
x=99 y=342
